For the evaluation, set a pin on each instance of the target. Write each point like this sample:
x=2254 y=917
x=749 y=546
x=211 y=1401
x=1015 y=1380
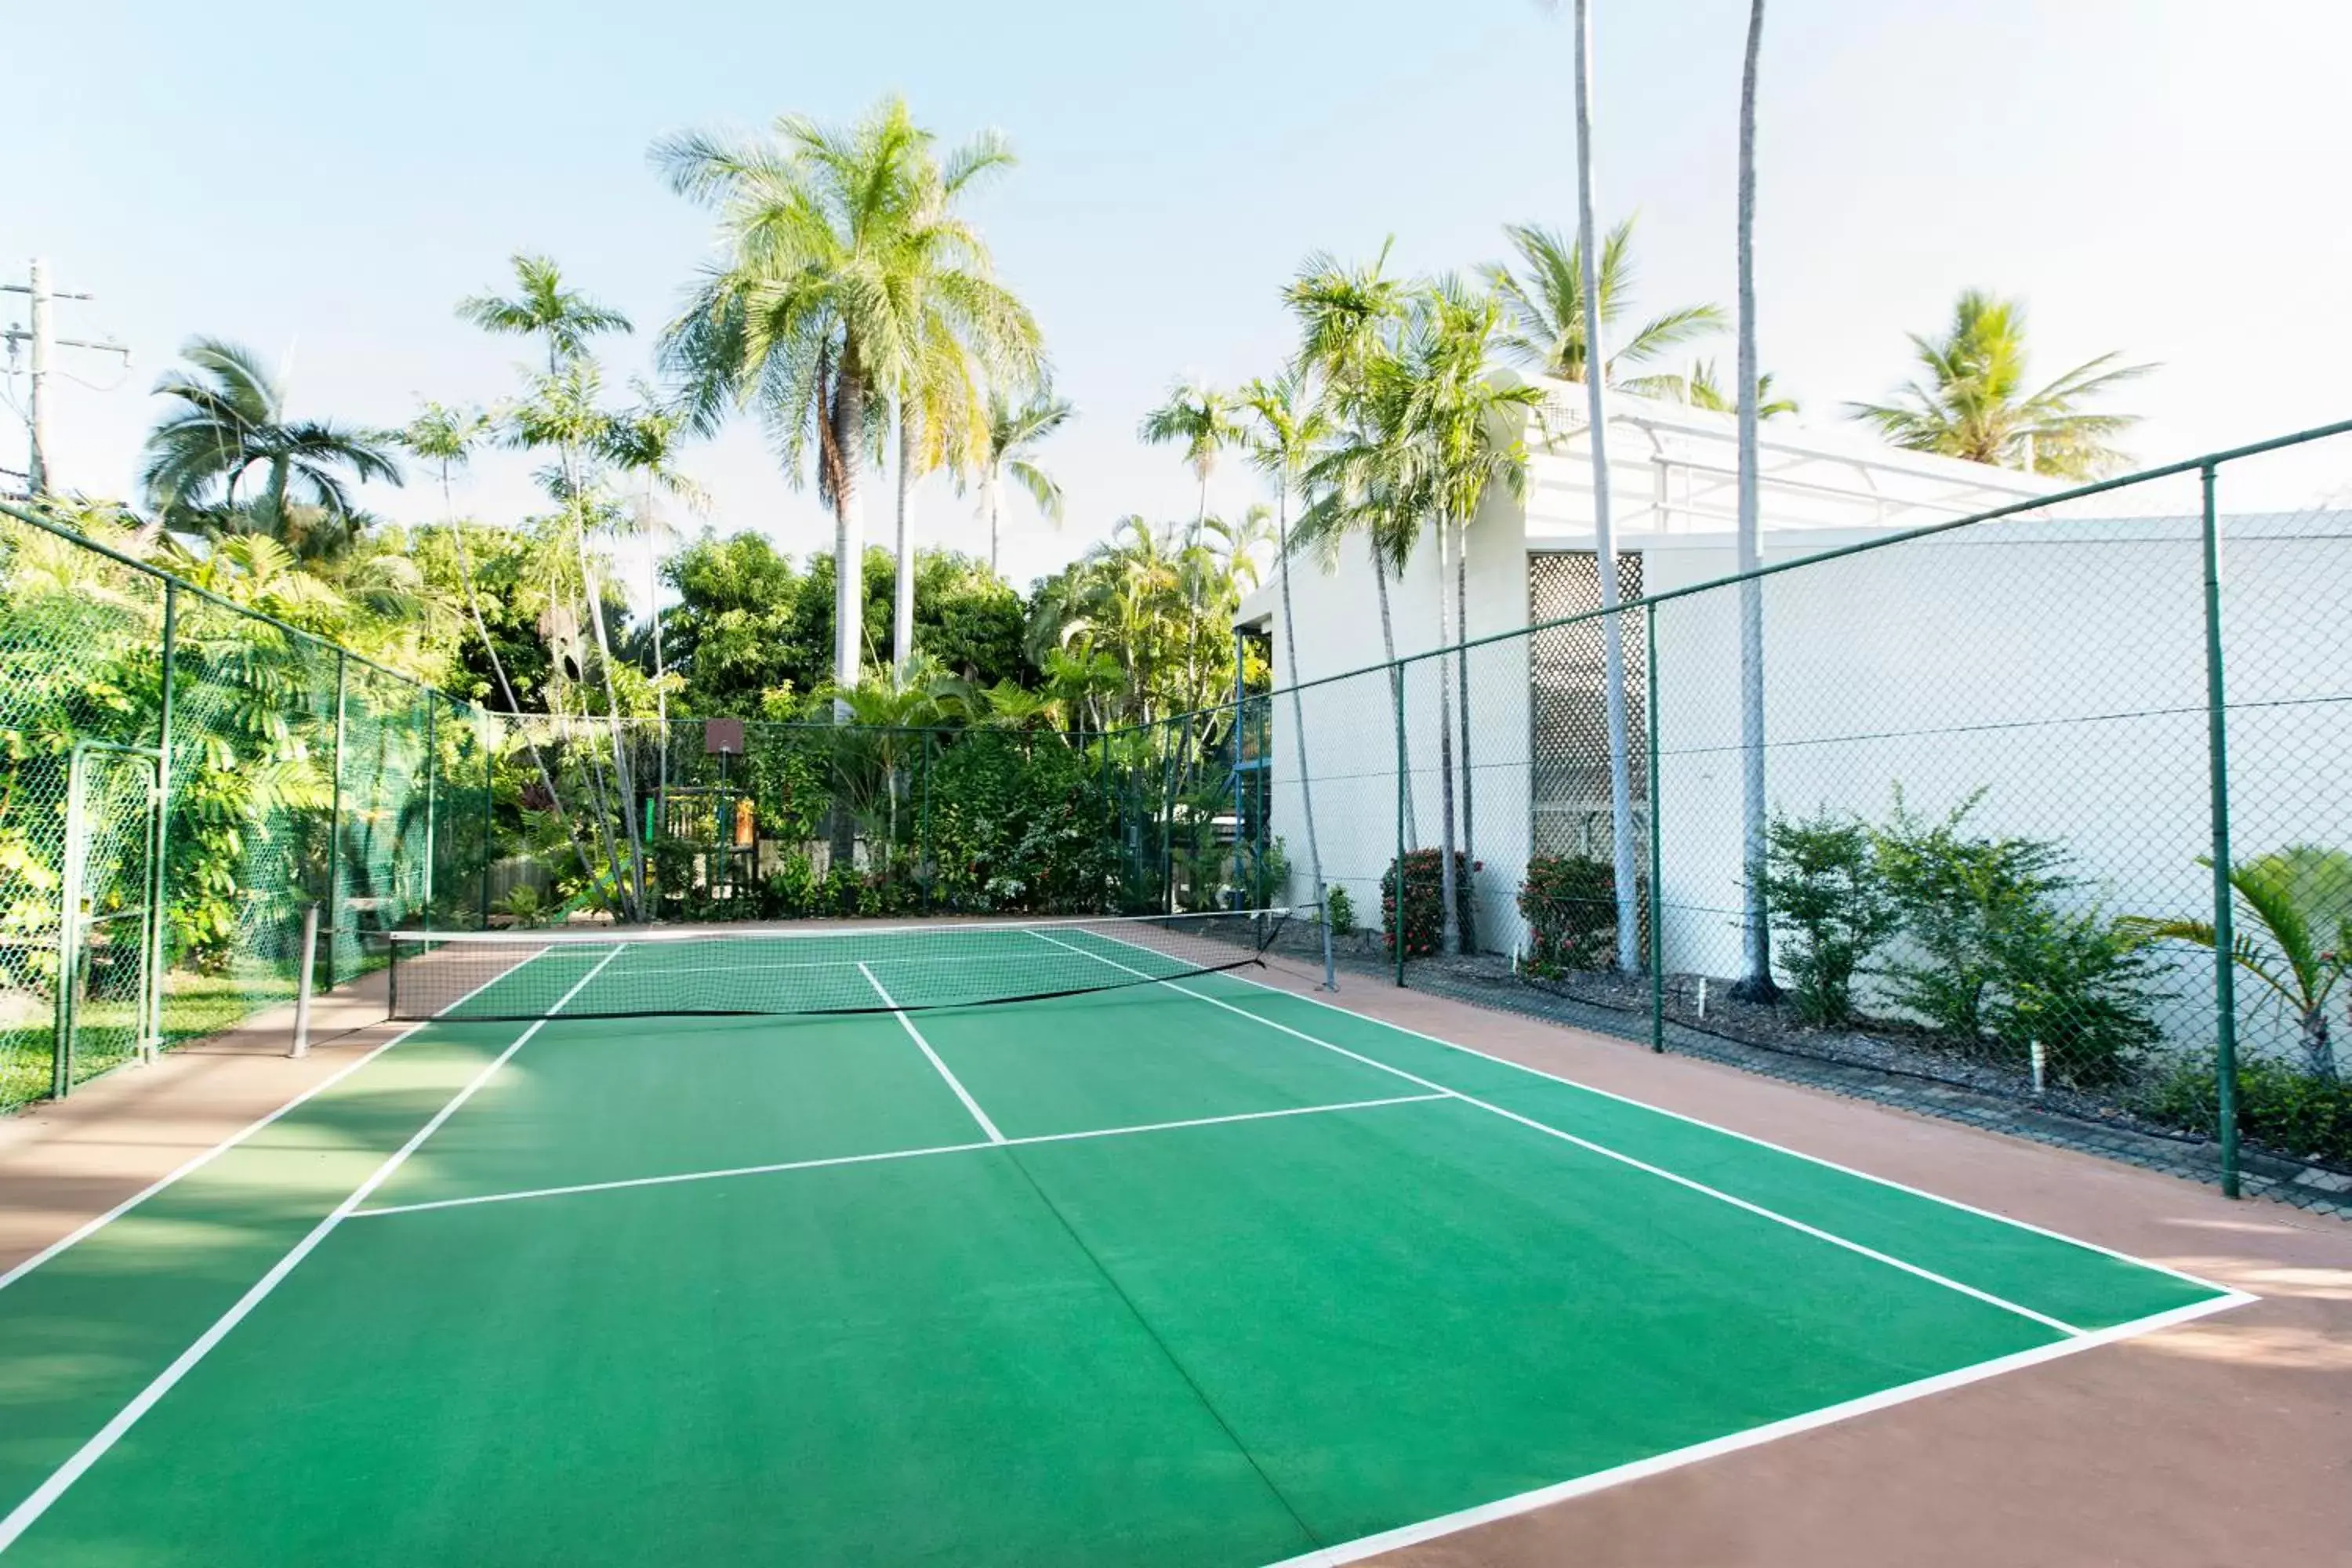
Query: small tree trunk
x=902 y=586
x=1396 y=674
x=1461 y=673
x=1448 y=889
x=1756 y=983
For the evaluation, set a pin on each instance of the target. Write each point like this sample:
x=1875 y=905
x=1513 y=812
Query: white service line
x=1689 y=1120
x=888 y=1154
x=1659 y=1172
x=917 y=1035
x=1526 y=1503
x=196 y=1162
x=21 y=1518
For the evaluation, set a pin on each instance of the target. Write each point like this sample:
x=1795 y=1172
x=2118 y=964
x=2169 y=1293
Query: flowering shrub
x=1425 y=902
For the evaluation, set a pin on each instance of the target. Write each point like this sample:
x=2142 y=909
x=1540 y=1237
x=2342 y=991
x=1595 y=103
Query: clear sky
x=324 y=181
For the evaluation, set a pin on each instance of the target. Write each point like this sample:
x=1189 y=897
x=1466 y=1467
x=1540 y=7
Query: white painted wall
x=2055 y=663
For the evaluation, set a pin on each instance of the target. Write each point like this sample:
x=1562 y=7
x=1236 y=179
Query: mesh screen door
x=106 y=995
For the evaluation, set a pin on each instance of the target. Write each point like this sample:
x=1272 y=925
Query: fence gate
x=108 y=1003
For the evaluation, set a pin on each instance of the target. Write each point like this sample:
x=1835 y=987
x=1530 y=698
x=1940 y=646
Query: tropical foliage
x=1972 y=400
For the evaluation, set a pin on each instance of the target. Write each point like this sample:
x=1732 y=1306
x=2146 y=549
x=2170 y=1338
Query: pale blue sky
x=324 y=181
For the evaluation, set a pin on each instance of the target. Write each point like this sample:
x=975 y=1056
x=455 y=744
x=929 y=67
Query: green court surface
x=1197 y=1272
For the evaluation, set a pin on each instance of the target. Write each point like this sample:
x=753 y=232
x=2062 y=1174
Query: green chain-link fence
x=183 y=777
x=1992 y=761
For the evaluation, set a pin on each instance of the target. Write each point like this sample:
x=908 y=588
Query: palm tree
x=955 y=324
x=1592 y=344
x=1545 y=298
x=1463 y=415
x=1973 y=404
x=1349 y=318
x=798 y=318
x=1008 y=441
x=1204 y=420
x=231 y=419
x=1700 y=389
x=1284 y=432
x=560 y=413
x=644 y=443
x=2300 y=900
x=1756 y=983
x=448 y=438
x=541 y=307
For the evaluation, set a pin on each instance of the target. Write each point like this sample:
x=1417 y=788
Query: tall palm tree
x=1348 y=319
x=1201 y=418
x=560 y=414
x=1593 y=344
x=229 y=418
x=564 y=320
x=1755 y=982
x=1468 y=422
x=1008 y=443
x=1284 y=429
x=798 y=318
x=956 y=325
x=1972 y=403
x=1545 y=298
x=643 y=444
x=448 y=438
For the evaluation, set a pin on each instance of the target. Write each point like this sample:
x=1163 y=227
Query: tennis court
x=1172 y=1268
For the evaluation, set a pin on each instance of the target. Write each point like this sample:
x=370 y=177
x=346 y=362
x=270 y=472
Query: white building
x=2053 y=661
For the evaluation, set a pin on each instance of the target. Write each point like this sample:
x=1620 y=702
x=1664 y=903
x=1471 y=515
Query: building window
x=1569 y=789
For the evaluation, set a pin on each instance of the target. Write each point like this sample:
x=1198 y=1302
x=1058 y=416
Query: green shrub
x=1425 y=903
x=1831 y=905
x=790 y=891
x=1569 y=902
x=1340 y=911
x=2296 y=1113
x=1995 y=964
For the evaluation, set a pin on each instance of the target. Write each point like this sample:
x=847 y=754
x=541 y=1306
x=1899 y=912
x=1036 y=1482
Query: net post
x=1404 y=765
x=1657 y=896
x=2217 y=738
x=306 y=973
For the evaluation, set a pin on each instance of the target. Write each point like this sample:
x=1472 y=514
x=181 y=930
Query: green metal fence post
x=159 y=881
x=432 y=775
x=923 y=826
x=1657 y=898
x=1404 y=767
x=2217 y=740
x=335 y=823
x=490 y=829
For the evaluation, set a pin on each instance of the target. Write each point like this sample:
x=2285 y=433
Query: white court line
x=89 y=1228
x=885 y=1155
x=21 y=1518
x=1526 y=1503
x=917 y=1035
x=1888 y=1259
x=1828 y=1165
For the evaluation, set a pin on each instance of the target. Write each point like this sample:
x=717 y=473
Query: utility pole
x=42 y=339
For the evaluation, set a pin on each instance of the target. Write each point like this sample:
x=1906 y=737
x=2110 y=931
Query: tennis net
x=650 y=972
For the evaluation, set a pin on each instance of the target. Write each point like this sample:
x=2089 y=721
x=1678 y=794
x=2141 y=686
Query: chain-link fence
x=1931 y=817
x=184 y=776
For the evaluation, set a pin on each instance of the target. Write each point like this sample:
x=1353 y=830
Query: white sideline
x=931 y=1055
x=1888 y=1259
x=196 y=1162
x=888 y=1154
x=1828 y=1165
x=1526 y=1503
x=22 y=1517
